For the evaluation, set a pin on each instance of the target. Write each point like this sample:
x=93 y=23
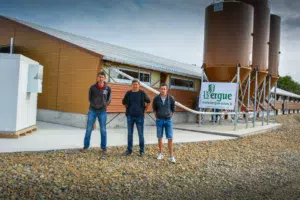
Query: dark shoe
x=84 y=150
x=142 y=154
x=103 y=154
x=126 y=153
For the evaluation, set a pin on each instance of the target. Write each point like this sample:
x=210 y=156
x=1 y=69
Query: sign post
x=237 y=98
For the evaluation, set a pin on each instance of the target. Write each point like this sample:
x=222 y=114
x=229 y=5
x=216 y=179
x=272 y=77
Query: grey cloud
x=167 y=28
x=293 y=5
x=292 y=22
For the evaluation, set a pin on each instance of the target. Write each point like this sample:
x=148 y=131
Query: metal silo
x=261 y=33
x=260 y=52
x=274 y=52
x=228 y=40
x=274 y=47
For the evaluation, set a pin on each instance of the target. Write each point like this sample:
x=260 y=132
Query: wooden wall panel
x=6 y=32
x=293 y=105
x=69 y=71
x=278 y=105
x=186 y=98
x=77 y=72
x=45 y=50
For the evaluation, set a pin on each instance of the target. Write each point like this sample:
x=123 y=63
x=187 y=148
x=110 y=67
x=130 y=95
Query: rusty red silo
x=228 y=40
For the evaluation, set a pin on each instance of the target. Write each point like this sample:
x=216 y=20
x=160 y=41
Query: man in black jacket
x=136 y=102
x=99 y=98
x=164 y=109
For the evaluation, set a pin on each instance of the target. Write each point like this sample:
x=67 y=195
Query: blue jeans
x=102 y=117
x=140 y=127
x=215 y=116
x=166 y=124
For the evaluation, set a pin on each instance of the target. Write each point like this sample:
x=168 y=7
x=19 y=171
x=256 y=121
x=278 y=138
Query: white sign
x=218 y=95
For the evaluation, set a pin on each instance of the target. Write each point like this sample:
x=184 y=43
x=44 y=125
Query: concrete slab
x=80 y=120
x=227 y=128
x=53 y=137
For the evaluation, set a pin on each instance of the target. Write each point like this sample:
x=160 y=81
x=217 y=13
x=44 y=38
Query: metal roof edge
x=113 y=59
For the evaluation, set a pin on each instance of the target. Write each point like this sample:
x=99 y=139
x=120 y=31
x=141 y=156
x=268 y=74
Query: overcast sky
x=167 y=28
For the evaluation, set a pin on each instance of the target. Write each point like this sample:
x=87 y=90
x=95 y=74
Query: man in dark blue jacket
x=136 y=102
x=164 y=109
x=99 y=98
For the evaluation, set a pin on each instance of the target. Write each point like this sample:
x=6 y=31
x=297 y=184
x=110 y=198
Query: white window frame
x=181 y=87
x=149 y=73
x=125 y=81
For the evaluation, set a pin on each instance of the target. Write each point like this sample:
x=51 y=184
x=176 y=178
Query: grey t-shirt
x=163 y=99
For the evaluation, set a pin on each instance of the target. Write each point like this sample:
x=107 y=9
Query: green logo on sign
x=211 y=94
x=211 y=88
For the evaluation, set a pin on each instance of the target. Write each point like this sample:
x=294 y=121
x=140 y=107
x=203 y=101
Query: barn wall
x=7 y=32
x=77 y=72
x=68 y=70
x=44 y=50
x=186 y=98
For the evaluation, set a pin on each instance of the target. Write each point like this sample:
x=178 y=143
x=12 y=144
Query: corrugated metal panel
x=121 y=54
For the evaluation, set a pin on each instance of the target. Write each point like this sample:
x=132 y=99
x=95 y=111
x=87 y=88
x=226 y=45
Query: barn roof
x=119 y=54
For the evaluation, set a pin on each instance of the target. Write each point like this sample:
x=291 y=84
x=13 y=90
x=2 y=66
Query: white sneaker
x=160 y=156
x=172 y=159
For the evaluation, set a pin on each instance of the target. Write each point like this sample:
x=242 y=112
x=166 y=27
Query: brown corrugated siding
x=278 y=105
x=45 y=50
x=293 y=105
x=6 y=32
x=186 y=98
x=68 y=70
x=77 y=71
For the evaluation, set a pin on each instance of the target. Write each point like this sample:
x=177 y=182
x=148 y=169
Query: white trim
x=181 y=87
x=127 y=81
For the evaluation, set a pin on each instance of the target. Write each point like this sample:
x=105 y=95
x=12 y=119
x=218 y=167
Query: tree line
x=289 y=84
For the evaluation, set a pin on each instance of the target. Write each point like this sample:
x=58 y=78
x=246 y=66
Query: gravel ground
x=265 y=166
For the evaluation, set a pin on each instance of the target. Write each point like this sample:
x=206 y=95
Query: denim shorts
x=166 y=124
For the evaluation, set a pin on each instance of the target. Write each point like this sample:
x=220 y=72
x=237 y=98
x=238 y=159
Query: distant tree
x=287 y=83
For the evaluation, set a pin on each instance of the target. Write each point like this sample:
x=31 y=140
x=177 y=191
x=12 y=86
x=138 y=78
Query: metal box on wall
x=35 y=78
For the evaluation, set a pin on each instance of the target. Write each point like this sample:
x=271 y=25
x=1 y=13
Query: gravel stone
x=264 y=166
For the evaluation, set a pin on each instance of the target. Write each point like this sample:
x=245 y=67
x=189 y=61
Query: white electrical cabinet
x=20 y=82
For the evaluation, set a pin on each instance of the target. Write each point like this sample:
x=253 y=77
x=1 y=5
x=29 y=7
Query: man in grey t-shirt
x=164 y=108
